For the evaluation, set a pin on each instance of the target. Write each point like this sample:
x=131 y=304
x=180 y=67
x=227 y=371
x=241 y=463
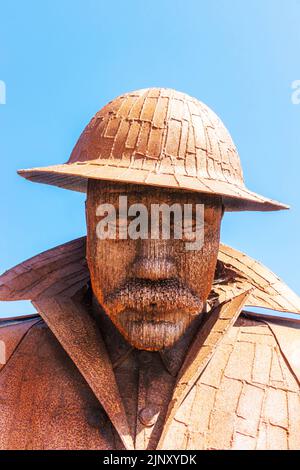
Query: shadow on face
x=151 y=288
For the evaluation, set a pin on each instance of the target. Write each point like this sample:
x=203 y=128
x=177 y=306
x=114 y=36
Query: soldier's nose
x=153 y=261
x=153 y=269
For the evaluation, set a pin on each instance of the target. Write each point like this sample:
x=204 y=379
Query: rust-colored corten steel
x=71 y=382
x=158 y=137
x=156 y=288
x=141 y=344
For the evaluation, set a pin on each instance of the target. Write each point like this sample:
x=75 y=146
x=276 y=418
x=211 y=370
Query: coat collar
x=63 y=270
x=80 y=336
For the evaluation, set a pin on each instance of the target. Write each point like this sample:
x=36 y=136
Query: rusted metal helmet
x=157 y=137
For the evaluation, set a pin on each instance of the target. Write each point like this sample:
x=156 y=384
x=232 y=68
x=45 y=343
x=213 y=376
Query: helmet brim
x=74 y=176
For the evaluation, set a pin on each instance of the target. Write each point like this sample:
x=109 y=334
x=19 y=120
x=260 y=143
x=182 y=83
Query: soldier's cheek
x=110 y=266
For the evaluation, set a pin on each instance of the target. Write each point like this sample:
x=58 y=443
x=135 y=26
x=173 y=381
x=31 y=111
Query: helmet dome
x=157 y=137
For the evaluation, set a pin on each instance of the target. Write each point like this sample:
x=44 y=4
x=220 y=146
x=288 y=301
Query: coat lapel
x=79 y=336
x=201 y=351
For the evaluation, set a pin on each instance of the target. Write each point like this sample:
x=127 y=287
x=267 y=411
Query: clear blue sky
x=62 y=60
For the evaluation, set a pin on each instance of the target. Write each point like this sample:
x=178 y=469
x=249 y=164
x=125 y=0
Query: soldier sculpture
x=140 y=343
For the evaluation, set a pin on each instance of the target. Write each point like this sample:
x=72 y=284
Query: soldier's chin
x=153 y=335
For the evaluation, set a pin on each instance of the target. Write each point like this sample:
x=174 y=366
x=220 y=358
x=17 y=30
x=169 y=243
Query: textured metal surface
x=288 y=339
x=157 y=137
x=247 y=397
x=237 y=272
x=204 y=345
x=46 y=403
x=75 y=384
x=155 y=287
x=11 y=334
x=79 y=336
x=42 y=274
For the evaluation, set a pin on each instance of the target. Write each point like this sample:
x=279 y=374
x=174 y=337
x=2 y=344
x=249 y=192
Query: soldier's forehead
x=138 y=190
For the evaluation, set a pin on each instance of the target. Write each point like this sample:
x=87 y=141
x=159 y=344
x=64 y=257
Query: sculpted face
x=152 y=289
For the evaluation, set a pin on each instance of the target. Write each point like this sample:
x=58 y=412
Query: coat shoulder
x=253 y=389
x=284 y=334
x=45 y=402
x=12 y=332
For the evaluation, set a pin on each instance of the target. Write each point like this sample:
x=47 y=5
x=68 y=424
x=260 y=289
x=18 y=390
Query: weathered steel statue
x=140 y=343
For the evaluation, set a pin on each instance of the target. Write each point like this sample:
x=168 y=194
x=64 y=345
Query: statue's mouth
x=144 y=300
x=152 y=314
x=155 y=317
